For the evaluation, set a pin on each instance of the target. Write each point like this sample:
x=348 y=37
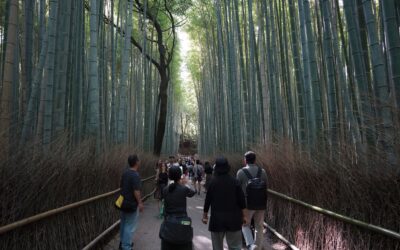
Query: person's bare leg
x=259 y=226
x=199 y=187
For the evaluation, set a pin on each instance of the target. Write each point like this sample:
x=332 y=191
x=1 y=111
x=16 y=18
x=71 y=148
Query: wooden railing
x=337 y=216
x=21 y=223
x=41 y=216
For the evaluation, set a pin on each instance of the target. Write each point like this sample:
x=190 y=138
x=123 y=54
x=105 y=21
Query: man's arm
x=207 y=204
x=136 y=192
x=138 y=198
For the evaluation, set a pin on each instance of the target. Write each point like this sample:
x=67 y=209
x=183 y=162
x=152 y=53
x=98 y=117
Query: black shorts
x=199 y=179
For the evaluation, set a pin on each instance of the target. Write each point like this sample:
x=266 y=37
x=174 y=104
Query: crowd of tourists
x=236 y=203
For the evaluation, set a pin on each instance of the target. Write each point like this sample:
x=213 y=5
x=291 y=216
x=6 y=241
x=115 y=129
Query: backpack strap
x=259 y=171
x=247 y=173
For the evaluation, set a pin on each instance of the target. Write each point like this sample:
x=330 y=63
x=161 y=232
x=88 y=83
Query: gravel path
x=146 y=236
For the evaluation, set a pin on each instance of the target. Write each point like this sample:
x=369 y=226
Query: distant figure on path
x=174 y=196
x=228 y=208
x=198 y=172
x=162 y=182
x=172 y=162
x=130 y=190
x=190 y=169
x=253 y=180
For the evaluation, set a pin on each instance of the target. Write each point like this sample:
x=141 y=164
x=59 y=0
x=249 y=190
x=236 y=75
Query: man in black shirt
x=130 y=190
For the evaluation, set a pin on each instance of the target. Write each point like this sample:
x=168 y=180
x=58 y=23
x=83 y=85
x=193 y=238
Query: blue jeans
x=127 y=228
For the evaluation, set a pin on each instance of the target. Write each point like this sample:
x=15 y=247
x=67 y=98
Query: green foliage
x=194 y=65
x=175 y=75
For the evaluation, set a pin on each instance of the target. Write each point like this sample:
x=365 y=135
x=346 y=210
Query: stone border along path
x=146 y=235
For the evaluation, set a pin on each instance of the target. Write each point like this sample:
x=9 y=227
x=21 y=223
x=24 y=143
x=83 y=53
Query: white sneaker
x=252 y=247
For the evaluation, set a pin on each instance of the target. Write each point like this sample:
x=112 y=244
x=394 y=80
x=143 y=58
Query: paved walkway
x=146 y=236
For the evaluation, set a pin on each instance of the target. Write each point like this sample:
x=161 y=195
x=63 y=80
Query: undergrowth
x=34 y=182
x=367 y=189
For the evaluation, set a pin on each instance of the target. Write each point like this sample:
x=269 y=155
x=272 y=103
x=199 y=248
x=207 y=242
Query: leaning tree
x=162 y=18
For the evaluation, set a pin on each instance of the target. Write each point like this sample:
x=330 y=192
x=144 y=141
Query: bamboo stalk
x=41 y=216
x=344 y=218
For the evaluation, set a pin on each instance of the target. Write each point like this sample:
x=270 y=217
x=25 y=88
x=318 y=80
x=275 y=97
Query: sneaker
x=251 y=247
x=120 y=246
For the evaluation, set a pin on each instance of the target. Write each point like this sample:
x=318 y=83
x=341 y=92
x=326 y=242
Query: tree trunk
x=392 y=45
x=93 y=105
x=8 y=77
x=163 y=108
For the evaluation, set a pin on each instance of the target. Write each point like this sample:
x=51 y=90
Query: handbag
x=177 y=229
x=125 y=205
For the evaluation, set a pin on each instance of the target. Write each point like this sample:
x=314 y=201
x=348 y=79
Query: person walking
x=190 y=169
x=208 y=170
x=228 y=208
x=130 y=190
x=162 y=182
x=253 y=180
x=198 y=171
x=175 y=209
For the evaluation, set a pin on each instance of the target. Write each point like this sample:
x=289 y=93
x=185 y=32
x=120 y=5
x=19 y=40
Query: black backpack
x=256 y=190
x=199 y=173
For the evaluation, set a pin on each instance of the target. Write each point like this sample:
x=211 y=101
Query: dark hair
x=174 y=174
x=198 y=162
x=133 y=160
x=250 y=157
x=162 y=164
x=221 y=166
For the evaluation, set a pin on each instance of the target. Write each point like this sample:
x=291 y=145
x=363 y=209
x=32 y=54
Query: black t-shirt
x=175 y=202
x=208 y=169
x=163 y=178
x=226 y=198
x=130 y=182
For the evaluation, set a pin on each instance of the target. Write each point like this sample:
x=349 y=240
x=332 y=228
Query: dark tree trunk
x=162 y=111
x=163 y=66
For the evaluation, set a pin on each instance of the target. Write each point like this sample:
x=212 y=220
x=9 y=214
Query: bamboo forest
x=311 y=86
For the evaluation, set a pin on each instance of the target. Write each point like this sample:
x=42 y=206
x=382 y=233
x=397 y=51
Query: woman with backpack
x=176 y=232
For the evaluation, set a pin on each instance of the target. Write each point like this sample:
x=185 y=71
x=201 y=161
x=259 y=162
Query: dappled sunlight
x=303 y=241
x=331 y=238
x=202 y=242
x=279 y=246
